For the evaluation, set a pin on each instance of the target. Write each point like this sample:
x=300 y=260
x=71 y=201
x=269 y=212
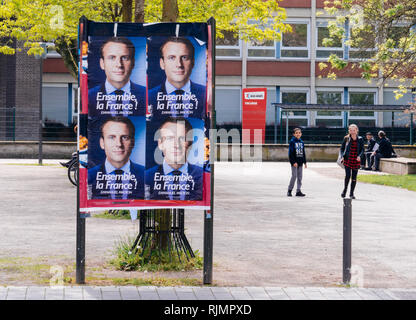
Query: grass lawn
x=400 y=181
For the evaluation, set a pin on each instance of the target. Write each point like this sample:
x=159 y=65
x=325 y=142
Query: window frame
x=351 y=49
x=251 y=47
x=296 y=90
x=308 y=40
x=363 y=90
x=324 y=24
x=239 y=47
x=322 y=117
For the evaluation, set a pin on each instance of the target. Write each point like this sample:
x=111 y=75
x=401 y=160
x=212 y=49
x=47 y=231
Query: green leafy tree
x=56 y=21
x=382 y=38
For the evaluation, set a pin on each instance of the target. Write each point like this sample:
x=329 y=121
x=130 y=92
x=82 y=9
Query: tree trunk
x=69 y=55
x=127 y=10
x=139 y=11
x=170 y=11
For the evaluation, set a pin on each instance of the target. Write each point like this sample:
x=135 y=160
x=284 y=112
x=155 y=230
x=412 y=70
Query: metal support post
x=209 y=214
x=80 y=254
x=281 y=126
x=287 y=127
x=346 y=261
x=40 y=110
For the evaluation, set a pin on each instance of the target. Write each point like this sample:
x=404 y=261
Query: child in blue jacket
x=297 y=158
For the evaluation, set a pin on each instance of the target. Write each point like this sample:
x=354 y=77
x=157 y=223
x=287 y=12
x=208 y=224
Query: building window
x=322 y=50
x=362 y=118
x=296 y=118
x=295 y=44
x=228 y=105
x=396 y=119
x=363 y=44
x=55 y=105
x=396 y=33
x=330 y=118
x=229 y=46
x=261 y=49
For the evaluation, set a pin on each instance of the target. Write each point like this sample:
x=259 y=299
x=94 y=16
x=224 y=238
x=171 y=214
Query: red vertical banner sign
x=254 y=115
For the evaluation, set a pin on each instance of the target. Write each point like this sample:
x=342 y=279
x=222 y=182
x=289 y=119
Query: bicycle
x=73 y=166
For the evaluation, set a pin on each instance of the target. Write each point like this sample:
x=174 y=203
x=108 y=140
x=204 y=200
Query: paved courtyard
x=262 y=238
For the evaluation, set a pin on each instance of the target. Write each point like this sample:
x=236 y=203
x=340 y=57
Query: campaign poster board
x=145 y=115
x=254 y=115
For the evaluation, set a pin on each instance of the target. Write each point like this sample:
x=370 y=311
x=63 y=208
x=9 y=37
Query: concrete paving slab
x=149 y=296
x=3 y=293
x=166 y=293
x=186 y=296
x=54 y=293
x=16 y=293
x=129 y=293
x=223 y=296
x=367 y=294
x=92 y=293
x=73 y=293
x=203 y=293
x=404 y=295
x=35 y=293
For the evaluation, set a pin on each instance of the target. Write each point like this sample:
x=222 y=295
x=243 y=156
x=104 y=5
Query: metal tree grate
x=152 y=236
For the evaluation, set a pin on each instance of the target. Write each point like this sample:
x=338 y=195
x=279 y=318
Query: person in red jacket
x=352 y=150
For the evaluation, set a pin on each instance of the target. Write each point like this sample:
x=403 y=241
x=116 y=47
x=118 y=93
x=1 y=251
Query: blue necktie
x=176 y=195
x=119 y=179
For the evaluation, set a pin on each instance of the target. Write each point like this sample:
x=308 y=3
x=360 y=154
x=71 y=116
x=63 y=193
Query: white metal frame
x=308 y=39
x=239 y=47
x=364 y=90
x=331 y=90
x=324 y=24
x=297 y=90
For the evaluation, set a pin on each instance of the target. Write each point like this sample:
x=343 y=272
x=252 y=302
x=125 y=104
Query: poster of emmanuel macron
x=117 y=76
x=177 y=173
x=117 y=85
x=120 y=174
x=177 y=77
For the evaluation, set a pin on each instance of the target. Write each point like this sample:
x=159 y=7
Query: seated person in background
x=385 y=150
x=367 y=158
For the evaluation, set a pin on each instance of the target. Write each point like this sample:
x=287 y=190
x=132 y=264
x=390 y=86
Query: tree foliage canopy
x=56 y=21
x=382 y=38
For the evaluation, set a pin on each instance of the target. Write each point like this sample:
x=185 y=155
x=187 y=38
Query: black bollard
x=346 y=261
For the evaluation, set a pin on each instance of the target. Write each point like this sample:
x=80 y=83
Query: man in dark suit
x=385 y=150
x=175 y=178
x=118 y=95
x=177 y=96
x=117 y=177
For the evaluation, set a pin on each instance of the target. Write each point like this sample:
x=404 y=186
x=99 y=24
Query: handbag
x=339 y=160
x=341 y=157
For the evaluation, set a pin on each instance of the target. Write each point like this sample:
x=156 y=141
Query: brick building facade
x=19 y=96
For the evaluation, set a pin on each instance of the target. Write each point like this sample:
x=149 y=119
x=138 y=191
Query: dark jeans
x=350 y=174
